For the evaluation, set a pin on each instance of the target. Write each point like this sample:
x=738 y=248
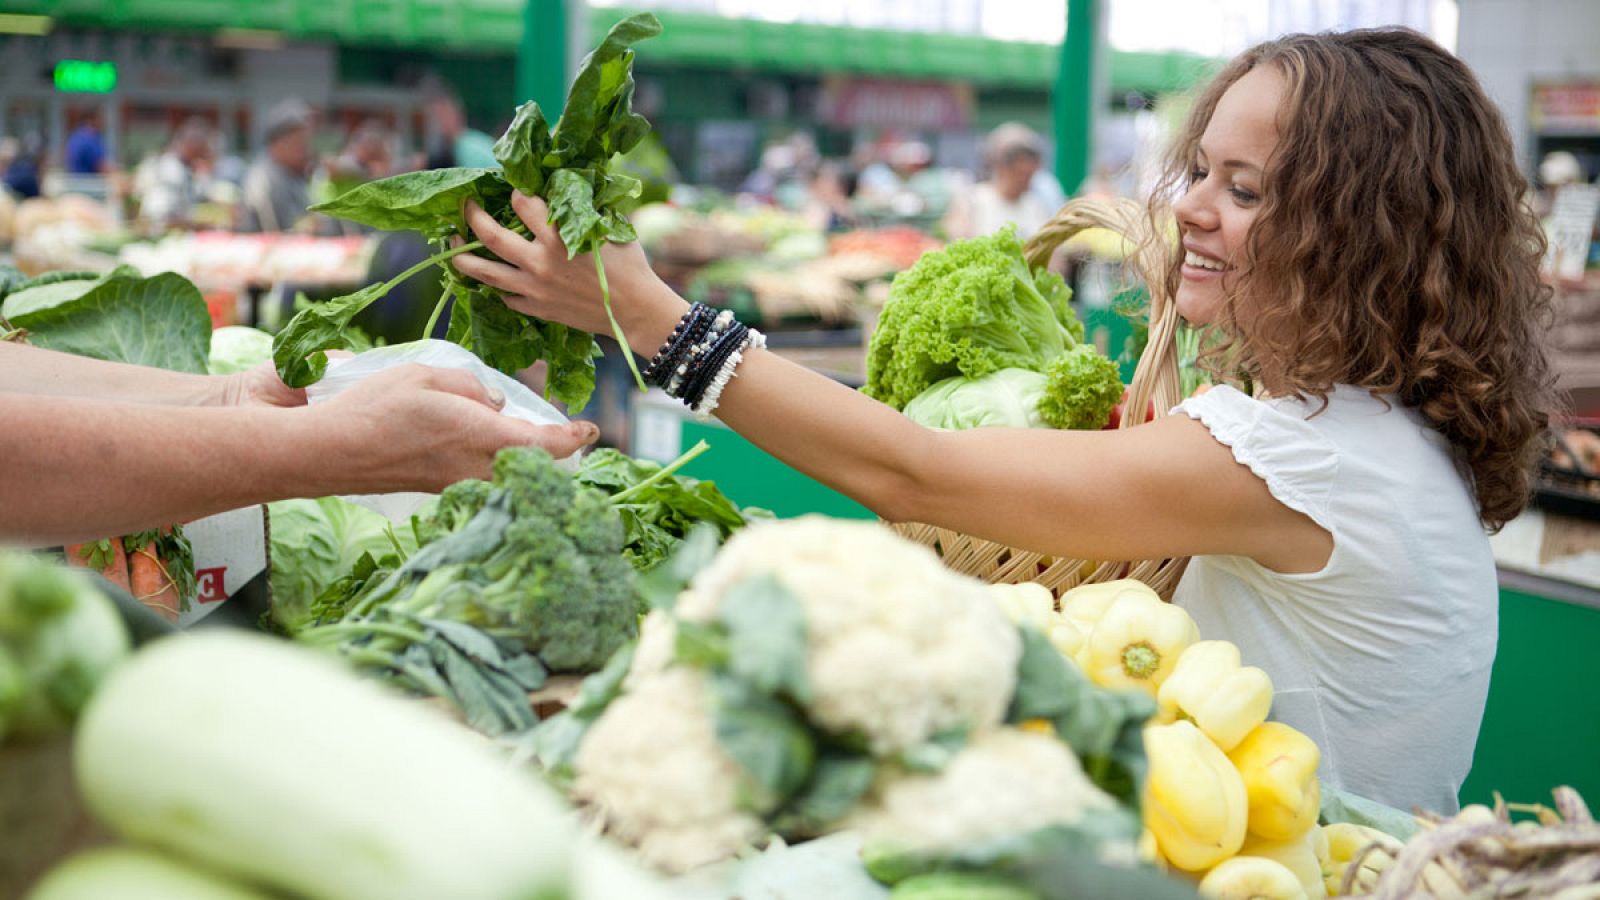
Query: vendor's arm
x=79 y=468
x=1163 y=489
x=31 y=370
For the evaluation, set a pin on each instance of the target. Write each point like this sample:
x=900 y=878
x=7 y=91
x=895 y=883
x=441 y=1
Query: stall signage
x=81 y=76
x=885 y=103
x=1568 y=106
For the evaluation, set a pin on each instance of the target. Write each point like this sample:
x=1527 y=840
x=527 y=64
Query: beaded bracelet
x=704 y=369
x=754 y=340
x=689 y=331
x=688 y=363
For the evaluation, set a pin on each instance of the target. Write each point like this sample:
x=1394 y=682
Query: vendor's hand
x=260 y=386
x=540 y=281
x=421 y=428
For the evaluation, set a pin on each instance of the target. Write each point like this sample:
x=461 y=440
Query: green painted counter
x=1541 y=727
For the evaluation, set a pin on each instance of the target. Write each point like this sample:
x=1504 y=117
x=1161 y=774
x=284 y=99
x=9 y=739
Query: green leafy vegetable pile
x=498 y=583
x=975 y=309
x=514 y=577
x=120 y=316
x=571 y=168
x=659 y=508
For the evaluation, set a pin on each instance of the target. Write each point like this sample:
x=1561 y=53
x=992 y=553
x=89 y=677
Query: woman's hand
x=420 y=428
x=540 y=281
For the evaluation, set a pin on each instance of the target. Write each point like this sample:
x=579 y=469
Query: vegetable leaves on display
x=119 y=317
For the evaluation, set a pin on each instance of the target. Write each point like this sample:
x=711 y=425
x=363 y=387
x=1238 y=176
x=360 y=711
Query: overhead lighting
x=16 y=23
x=249 y=39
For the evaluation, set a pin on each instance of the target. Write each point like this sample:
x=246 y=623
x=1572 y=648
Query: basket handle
x=1156 y=376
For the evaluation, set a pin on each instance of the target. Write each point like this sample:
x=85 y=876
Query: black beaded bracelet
x=690 y=331
x=707 y=366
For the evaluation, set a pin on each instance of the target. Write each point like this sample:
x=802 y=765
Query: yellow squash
x=1194 y=800
x=1224 y=699
x=1279 y=768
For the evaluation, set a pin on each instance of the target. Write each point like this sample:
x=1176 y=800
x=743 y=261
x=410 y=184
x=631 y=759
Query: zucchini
x=129 y=874
x=277 y=765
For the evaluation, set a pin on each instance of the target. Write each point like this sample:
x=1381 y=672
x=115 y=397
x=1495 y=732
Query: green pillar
x=542 y=56
x=1073 y=103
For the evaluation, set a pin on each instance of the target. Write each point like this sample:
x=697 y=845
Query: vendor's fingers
x=462 y=384
x=535 y=214
x=504 y=242
x=560 y=440
x=509 y=279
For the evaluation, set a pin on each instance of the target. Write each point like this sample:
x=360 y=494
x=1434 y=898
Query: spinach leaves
x=569 y=167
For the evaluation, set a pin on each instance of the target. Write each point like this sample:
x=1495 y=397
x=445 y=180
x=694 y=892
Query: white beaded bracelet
x=754 y=340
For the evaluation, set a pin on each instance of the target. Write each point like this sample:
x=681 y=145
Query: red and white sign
x=229 y=549
x=885 y=103
x=1566 y=106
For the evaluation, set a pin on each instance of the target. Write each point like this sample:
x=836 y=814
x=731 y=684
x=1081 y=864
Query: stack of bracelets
x=699 y=357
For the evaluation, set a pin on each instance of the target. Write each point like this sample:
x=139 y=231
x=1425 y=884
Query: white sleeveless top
x=1383 y=656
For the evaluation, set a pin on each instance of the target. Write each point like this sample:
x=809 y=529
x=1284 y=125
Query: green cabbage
x=1008 y=398
x=237 y=348
x=317 y=542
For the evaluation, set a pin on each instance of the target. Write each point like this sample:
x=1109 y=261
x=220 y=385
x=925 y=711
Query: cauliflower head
x=652 y=768
x=899 y=648
x=1004 y=782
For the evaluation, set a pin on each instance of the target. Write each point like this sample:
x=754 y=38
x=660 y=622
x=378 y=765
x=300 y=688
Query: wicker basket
x=1155 y=379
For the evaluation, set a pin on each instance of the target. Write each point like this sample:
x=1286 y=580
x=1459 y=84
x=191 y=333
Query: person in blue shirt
x=85 y=152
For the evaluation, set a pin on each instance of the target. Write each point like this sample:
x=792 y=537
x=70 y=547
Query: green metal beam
x=542 y=56
x=1073 y=101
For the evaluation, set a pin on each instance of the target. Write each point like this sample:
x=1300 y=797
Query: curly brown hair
x=1394 y=249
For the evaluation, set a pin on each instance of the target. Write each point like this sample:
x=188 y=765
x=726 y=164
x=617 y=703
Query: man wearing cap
x=1013 y=154
x=277 y=189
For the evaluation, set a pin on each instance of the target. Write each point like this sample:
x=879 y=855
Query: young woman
x=1353 y=221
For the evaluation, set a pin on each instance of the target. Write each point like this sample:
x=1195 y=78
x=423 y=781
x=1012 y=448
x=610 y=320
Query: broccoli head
x=971 y=309
x=457 y=505
x=536 y=486
x=1081 y=388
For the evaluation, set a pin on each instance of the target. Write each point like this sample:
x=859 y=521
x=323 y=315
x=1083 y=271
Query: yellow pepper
x=1065 y=637
x=1251 y=878
x=1083 y=606
x=1029 y=603
x=1303 y=857
x=1194 y=800
x=1137 y=640
x=1223 y=698
x=1149 y=851
x=1279 y=768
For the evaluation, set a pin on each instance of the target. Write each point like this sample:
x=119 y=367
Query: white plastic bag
x=521 y=403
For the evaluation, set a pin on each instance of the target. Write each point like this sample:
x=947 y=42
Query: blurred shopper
x=454 y=143
x=26 y=169
x=828 y=206
x=277 y=189
x=367 y=156
x=174 y=183
x=1013 y=155
x=85 y=152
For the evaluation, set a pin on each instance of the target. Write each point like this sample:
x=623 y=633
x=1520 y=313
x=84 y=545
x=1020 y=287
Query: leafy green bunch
x=976 y=308
x=658 y=507
x=570 y=167
x=515 y=577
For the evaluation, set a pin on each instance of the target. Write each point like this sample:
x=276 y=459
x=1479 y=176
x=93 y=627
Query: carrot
x=150 y=581
x=105 y=556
